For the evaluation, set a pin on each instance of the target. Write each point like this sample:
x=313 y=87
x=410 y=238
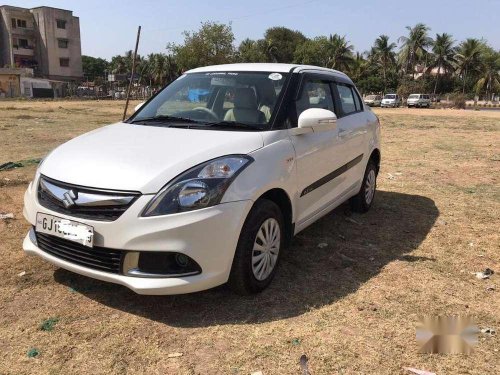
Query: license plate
x=64 y=228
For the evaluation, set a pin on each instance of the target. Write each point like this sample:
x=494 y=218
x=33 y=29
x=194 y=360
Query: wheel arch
x=376 y=157
x=283 y=201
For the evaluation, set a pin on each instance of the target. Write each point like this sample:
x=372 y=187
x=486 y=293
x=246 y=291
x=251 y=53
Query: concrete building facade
x=45 y=39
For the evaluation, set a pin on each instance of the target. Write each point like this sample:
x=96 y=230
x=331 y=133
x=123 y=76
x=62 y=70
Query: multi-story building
x=44 y=38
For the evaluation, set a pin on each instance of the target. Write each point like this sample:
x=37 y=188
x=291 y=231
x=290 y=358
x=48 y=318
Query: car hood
x=141 y=158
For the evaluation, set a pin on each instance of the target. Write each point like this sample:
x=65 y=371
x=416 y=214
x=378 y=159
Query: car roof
x=266 y=67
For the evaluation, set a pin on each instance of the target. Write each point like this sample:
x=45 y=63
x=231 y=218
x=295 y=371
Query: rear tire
x=261 y=242
x=364 y=199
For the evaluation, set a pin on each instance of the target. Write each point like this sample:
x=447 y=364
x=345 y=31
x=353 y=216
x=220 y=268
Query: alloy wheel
x=265 y=249
x=370 y=186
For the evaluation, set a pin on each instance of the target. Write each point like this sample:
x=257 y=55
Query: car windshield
x=216 y=99
x=371 y=97
x=414 y=96
x=390 y=96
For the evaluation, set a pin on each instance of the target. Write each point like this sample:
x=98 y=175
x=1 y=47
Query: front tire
x=259 y=247
x=364 y=199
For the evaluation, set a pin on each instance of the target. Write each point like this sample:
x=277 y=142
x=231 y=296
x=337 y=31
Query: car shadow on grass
x=327 y=261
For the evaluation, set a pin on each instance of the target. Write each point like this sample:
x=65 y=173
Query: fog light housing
x=160 y=264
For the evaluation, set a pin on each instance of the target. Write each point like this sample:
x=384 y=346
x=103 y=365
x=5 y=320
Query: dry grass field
x=435 y=221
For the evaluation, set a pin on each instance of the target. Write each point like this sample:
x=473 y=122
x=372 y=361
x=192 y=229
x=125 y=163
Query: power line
x=272 y=10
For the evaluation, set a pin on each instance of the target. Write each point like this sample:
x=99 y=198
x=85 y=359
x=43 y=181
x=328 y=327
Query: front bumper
x=209 y=236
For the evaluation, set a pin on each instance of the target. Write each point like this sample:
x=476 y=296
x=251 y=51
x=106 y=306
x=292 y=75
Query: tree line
x=419 y=62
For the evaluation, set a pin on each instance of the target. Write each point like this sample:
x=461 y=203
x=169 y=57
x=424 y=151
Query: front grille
x=98 y=258
x=88 y=203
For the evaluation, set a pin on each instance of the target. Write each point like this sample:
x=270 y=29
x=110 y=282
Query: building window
x=62 y=43
x=61 y=24
x=64 y=61
x=23 y=43
x=14 y=24
x=21 y=23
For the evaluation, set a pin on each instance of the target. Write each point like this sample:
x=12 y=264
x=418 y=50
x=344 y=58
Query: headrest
x=245 y=98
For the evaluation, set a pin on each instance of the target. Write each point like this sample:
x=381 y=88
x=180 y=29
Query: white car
x=208 y=181
x=373 y=100
x=391 y=100
x=419 y=101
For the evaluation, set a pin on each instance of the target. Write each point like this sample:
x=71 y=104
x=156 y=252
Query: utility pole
x=133 y=73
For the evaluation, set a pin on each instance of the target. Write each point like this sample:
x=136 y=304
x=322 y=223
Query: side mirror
x=315 y=120
x=138 y=106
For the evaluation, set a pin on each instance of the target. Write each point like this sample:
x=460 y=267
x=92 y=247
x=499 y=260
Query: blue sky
x=109 y=27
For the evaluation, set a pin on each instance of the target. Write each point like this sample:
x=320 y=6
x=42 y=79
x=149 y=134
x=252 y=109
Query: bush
x=458 y=100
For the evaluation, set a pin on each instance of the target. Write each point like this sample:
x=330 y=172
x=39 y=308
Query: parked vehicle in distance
x=391 y=100
x=208 y=181
x=419 y=101
x=373 y=100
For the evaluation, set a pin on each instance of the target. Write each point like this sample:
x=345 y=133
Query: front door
x=318 y=155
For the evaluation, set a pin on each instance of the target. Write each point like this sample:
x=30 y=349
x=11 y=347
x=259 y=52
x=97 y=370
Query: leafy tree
x=383 y=55
x=313 y=52
x=443 y=56
x=212 y=44
x=94 y=67
x=281 y=43
x=119 y=64
x=414 y=48
x=251 y=51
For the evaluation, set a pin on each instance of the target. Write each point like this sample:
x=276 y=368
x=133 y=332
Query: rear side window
x=349 y=101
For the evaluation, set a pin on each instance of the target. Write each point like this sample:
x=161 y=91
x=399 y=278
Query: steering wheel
x=207 y=111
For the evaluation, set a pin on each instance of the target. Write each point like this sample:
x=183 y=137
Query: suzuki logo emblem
x=69 y=198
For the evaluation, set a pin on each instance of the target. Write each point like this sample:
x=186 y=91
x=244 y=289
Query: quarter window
x=357 y=100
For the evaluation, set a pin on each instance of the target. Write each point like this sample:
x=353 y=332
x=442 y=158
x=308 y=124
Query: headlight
x=199 y=187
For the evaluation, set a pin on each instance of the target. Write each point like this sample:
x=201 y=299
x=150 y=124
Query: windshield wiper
x=231 y=124
x=164 y=118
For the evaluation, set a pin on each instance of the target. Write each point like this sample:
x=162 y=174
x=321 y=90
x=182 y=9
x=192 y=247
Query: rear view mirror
x=315 y=120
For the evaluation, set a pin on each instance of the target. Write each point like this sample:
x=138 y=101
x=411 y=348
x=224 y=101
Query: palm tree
x=414 y=48
x=444 y=56
x=468 y=58
x=384 y=55
x=340 y=52
x=357 y=67
x=490 y=74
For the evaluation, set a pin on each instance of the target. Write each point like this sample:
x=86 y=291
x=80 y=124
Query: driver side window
x=314 y=94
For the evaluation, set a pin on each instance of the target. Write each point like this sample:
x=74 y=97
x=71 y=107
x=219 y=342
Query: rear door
x=318 y=155
x=353 y=125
